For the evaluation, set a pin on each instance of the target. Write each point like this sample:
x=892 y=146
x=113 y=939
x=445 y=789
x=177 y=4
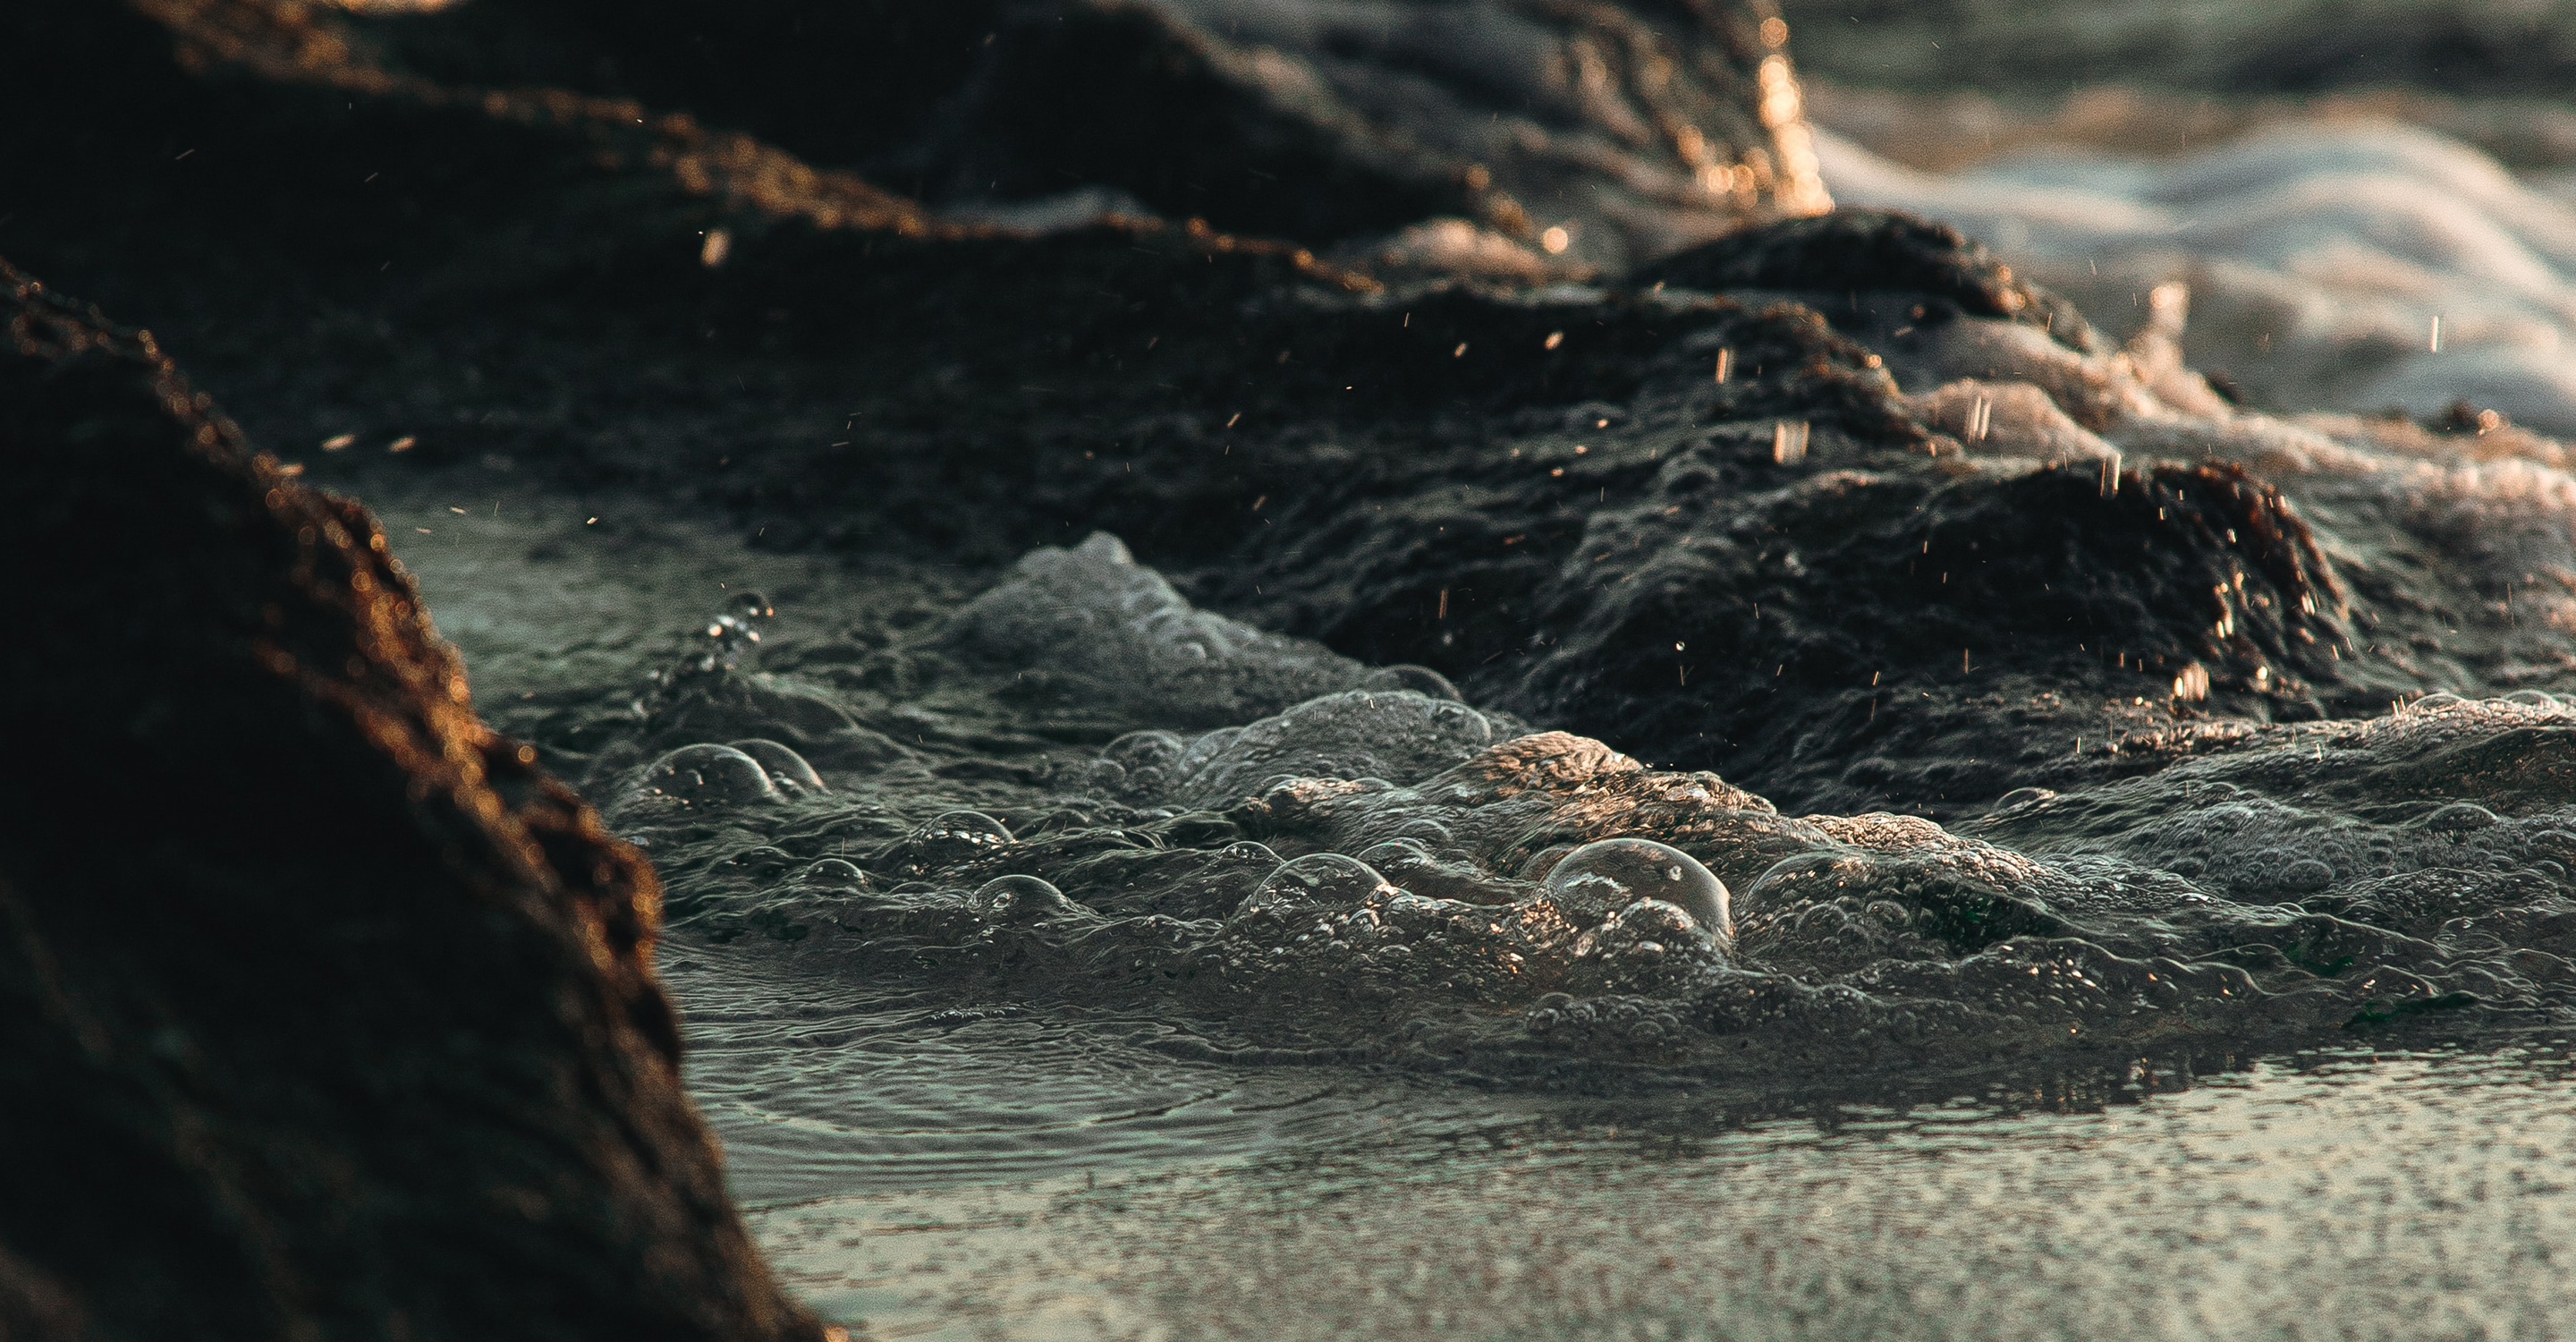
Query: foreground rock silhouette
x=323 y=1013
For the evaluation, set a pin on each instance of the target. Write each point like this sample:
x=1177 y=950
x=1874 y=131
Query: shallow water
x=2329 y=1195
x=1077 y=790
x=938 y=1153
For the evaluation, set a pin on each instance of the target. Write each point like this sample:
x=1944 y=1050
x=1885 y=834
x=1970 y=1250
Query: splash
x=1391 y=874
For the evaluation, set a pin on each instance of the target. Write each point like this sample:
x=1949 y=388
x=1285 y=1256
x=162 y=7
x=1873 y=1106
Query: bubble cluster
x=1353 y=736
x=1093 y=615
x=1393 y=872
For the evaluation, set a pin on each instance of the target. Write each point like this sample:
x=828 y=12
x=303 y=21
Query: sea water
x=952 y=1111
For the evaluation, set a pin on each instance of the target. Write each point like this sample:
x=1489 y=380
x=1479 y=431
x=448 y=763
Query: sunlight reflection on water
x=2337 y=1195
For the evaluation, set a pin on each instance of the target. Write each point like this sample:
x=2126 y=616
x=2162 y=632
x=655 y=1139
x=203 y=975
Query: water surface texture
x=960 y=1111
x=2329 y=1196
x=1186 y=808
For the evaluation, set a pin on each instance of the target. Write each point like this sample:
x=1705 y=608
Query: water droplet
x=729 y=633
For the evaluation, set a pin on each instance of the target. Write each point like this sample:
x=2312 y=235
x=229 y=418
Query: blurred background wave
x=2329 y=179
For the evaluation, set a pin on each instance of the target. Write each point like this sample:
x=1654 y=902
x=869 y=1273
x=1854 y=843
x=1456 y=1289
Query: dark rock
x=1537 y=494
x=840 y=83
x=323 y=1012
x=1179 y=119
x=1875 y=251
x=1624 y=126
x=2192 y=573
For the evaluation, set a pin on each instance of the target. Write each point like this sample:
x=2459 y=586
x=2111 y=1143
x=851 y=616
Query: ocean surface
x=951 y=1115
x=1185 y=808
x=1061 y=959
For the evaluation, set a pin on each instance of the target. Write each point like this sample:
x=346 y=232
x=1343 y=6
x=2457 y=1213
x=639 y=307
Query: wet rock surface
x=1628 y=130
x=322 y=1010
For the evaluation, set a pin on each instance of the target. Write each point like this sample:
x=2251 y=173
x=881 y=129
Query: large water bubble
x=1317 y=881
x=709 y=775
x=1021 y=899
x=1640 y=944
x=1601 y=878
x=949 y=839
x=787 y=769
x=1422 y=680
x=1408 y=862
x=834 y=873
x=967 y=826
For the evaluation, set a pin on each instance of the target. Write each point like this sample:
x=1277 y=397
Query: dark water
x=2117 y=1059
